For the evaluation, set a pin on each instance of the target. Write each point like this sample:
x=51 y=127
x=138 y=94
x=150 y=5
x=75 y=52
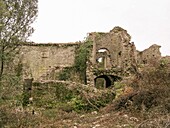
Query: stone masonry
x=40 y=59
x=113 y=56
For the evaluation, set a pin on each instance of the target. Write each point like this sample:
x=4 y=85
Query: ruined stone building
x=112 y=56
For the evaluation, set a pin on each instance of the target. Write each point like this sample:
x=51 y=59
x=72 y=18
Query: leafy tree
x=16 y=17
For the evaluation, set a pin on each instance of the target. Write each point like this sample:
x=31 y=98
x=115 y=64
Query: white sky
x=147 y=21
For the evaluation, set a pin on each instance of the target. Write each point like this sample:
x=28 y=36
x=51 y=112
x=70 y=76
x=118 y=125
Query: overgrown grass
x=78 y=99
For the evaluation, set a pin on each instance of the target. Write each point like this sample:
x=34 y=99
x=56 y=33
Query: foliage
x=15 y=120
x=100 y=82
x=154 y=87
x=65 y=74
x=78 y=71
x=10 y=88
x=150 y=92
x=119 y=89
x=82 y=55
x=16 y=18
x=78 y=99
x=51 y=97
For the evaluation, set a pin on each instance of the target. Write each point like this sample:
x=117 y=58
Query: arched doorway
x=105 y=81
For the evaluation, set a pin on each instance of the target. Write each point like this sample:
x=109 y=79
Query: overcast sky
x=147 y=21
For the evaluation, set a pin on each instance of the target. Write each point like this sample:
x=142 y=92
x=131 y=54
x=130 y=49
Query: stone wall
x=119 y=51
x=149 y=56
x=39 y=59
x=165 y=63
x=112 y=51
x=113 y=56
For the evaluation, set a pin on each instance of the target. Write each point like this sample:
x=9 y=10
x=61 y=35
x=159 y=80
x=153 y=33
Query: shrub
x=150 y=91
x=155 y=86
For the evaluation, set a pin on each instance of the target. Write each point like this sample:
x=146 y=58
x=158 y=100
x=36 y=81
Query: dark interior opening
x=105 y=81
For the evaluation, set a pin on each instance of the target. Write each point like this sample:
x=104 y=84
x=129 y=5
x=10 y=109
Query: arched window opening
x=102 y=50
x=100 y=62
x=103 y=58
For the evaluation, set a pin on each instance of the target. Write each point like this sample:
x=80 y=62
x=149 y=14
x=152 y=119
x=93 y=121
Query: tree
x=16 y=17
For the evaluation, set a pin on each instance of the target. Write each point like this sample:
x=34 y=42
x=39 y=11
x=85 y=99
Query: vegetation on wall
x=148 y=93
x=65 y=74
x=82 y=55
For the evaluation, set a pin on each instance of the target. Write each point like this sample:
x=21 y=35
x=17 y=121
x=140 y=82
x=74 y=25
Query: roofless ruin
x=100 y=60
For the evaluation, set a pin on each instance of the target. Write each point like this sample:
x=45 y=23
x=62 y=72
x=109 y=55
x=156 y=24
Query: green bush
x=59 y=96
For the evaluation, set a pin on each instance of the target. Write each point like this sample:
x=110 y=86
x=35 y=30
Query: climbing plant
x=82 y=55
x=65 y=74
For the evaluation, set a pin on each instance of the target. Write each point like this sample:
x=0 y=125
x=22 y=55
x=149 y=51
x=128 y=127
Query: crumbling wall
x=165 y=63
x=112 y=51
x=119 y=50
x=113 y=56
x=39 y=59
x=149 y=56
